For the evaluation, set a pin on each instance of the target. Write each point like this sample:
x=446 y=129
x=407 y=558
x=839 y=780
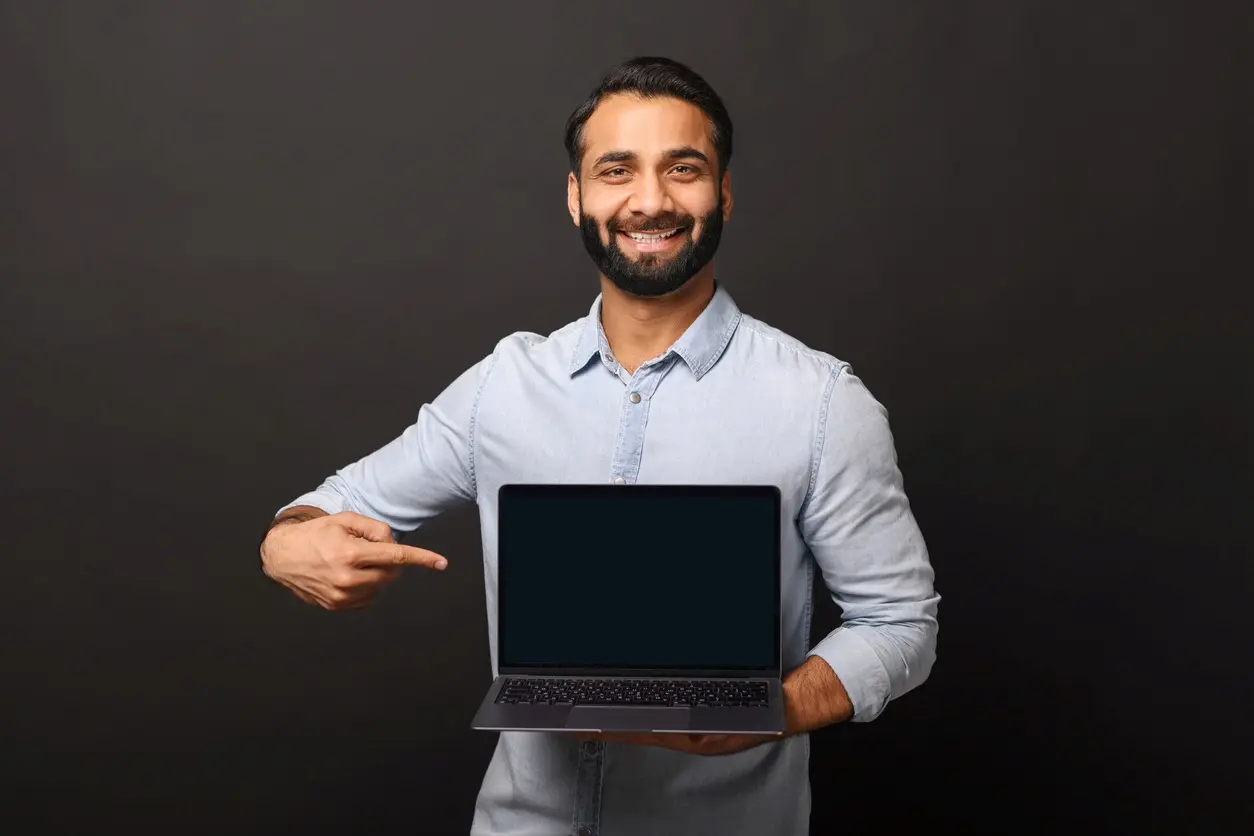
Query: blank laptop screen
x=631 y=577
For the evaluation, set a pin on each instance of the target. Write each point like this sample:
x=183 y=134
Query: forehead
x=625 y=122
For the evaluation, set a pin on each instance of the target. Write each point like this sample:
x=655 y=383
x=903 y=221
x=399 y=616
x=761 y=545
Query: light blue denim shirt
x=732 y=401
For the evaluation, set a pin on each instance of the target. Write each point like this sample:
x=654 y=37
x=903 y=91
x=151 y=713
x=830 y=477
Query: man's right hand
x=339 y=561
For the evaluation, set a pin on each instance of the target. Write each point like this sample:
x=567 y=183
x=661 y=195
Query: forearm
x=879 y=662
x=814 y=697
x=419 y=474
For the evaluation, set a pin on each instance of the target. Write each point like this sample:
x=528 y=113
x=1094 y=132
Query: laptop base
x=494 y=716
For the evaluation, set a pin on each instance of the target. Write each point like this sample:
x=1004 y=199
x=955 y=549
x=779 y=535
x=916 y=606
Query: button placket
x=633 y=419
x=588 y=788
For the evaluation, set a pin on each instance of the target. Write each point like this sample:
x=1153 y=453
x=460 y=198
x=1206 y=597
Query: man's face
x=649 y=201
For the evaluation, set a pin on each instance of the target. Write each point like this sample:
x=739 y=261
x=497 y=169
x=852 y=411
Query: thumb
x=365 y=527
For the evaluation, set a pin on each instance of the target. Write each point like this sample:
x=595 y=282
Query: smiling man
x=665 y=380
x=651 y=213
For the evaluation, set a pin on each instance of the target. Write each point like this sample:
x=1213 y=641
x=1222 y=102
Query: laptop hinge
x=640 y=673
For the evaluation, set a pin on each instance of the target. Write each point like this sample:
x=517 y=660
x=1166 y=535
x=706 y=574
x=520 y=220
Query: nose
x=649 y=197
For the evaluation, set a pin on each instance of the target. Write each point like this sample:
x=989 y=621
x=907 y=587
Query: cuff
x=328 y=501
x=859 y=669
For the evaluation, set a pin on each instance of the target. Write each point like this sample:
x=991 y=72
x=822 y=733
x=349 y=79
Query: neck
x=640 y=328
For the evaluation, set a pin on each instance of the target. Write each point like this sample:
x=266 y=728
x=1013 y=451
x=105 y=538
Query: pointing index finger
x=395 y=554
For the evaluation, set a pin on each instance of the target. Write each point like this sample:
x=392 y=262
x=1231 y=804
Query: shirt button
x=585 y=831
x=618 y=480
x=634 y=397
x=589 y=747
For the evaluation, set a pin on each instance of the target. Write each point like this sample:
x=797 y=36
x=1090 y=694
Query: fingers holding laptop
x=339 y=561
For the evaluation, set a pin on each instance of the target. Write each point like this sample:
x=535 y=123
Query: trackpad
x=595 y=718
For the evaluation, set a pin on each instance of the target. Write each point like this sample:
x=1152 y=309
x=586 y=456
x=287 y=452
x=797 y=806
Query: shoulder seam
x=802 y=350
x=474 y=424
x=820 y=433
x=531 y=339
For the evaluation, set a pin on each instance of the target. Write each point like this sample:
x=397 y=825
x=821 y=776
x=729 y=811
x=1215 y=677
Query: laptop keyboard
x=668 y=692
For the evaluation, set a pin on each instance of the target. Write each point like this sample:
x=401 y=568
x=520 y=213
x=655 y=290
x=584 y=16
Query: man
x=664 y=380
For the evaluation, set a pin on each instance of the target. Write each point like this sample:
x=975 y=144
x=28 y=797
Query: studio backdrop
x=243 y=243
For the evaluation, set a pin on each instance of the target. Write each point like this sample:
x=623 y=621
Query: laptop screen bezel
x=505 y=495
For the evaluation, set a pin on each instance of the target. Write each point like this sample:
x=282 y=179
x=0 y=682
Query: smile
x=651 y=236
x=654 y=242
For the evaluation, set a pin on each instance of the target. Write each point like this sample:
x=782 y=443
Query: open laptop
x=637 y=608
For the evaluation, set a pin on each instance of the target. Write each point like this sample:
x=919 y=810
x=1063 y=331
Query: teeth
x=644 y=236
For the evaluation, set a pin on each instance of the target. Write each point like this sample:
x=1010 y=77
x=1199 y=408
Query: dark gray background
x=244 y=242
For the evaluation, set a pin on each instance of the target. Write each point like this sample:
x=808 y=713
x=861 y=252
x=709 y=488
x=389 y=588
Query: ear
x=727 y=195
x=572 y=198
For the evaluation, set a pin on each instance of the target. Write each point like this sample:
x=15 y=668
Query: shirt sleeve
x=426 y=470
x=858 y=524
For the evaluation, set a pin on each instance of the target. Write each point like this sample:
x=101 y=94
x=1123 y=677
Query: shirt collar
x=699 y=346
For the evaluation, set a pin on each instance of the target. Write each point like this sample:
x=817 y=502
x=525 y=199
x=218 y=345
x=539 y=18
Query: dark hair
x=653 y=77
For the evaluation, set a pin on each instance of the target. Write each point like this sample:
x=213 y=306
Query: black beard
x=651 y=275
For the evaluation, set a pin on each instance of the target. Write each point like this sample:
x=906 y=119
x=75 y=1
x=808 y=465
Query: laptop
x=637 y=608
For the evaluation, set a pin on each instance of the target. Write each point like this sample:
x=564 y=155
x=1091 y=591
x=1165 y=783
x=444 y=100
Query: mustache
x=657 y=224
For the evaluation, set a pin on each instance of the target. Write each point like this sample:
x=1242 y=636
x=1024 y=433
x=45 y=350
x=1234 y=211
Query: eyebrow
x=686 y=152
